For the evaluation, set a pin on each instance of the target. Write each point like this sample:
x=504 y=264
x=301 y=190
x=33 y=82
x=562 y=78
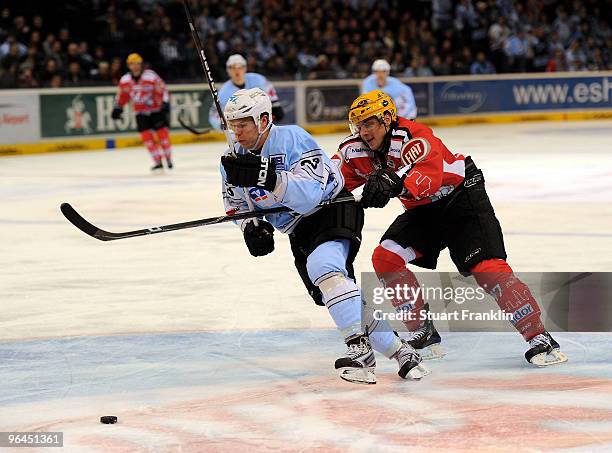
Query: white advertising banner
x=19 y=118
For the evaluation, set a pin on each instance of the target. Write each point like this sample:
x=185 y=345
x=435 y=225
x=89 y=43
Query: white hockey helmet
x=381 y=65
x=235 y=60
x=249 y=103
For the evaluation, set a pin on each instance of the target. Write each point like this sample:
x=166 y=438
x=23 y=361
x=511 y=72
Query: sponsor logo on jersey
x=415 y=150
x=521 y=313
x=258 y=194
x=263 y=172
x=278 y=161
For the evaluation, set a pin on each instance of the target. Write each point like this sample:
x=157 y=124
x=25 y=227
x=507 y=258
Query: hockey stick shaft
x=88 y=228
x=213 y=89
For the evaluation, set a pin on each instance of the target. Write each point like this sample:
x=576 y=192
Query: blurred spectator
x=8 y=76
x=12 y=46
x=575 y=57
x=26 y=79
x=116 y=71
x=50 y=70
x=298 y=39
x=498 y=34
x=482 y=65
x=74 y=77
x=56 y=81
x=516 y=49
x=102 y=75
x=557 y=63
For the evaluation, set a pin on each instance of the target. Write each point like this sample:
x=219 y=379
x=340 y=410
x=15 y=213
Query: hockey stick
x=213 y=89
x=191 y=129
x=78 y=221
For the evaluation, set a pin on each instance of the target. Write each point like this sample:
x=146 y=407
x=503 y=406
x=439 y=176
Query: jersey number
x=312 y=163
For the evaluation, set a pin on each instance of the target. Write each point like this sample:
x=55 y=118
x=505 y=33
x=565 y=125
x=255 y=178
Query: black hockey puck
x=108 y=419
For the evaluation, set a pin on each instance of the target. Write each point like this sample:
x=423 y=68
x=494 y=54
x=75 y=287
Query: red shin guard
x=149 y=142
x=511 y=294
x=392 y=272
x=164 y=140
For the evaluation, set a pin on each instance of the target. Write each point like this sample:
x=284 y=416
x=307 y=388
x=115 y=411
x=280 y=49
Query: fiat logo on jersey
x=415 y=151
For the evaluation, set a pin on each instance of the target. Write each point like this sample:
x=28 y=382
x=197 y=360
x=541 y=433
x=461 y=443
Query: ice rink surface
x=197 y=346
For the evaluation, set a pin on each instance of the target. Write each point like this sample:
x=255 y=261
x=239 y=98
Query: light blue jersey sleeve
x=305 y=178
x=369 y=84
x=402 y=96
x=305 y=183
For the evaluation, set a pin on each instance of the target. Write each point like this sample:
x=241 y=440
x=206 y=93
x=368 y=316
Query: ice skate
x=358 y=364
x=169 y=164
x=409 y=361
x=426 y=340
x=544 y=351
x=158 y=167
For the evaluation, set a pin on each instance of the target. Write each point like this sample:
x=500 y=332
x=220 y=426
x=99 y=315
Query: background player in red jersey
x=150 y=99
x=446 y=206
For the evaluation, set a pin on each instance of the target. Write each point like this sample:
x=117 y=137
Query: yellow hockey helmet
x=374 y=103
x=133 y=58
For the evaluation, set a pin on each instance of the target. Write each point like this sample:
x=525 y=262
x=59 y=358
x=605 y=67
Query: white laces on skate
x=357 y=350
x=419 y=334
x=540 y=339
x=360 y=353
x=431 y=352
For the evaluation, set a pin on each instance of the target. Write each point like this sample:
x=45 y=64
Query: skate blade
x=432 y=352
x=553 y=358
x=358 y=375
x=418 y=372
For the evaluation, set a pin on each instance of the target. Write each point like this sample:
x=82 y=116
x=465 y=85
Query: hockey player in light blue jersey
x=284 y=166
x=400 y=92
x=236 y=67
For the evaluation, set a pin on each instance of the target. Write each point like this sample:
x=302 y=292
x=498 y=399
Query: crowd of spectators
x=84 y=42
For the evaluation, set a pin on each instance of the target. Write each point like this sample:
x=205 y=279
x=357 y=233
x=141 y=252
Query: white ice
x=197 y=346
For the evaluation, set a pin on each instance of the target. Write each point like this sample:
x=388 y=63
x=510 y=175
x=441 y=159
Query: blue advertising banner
x=461 y=97
x=421 y=97
x=286 y=95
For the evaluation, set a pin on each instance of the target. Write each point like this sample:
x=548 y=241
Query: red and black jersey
x=148 y=92
x=431 y=170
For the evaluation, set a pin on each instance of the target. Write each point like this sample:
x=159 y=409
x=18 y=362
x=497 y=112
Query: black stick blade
x=193 y=130
x=83 y=225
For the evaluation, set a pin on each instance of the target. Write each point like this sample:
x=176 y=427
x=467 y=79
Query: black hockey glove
x=381 y=186
x=259 y=239
x=116 y=114
x=249 y=170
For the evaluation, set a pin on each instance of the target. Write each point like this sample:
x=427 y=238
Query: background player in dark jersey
x=446 y=206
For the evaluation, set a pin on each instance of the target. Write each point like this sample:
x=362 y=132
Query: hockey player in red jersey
x=446 y=205
x=150 y=99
